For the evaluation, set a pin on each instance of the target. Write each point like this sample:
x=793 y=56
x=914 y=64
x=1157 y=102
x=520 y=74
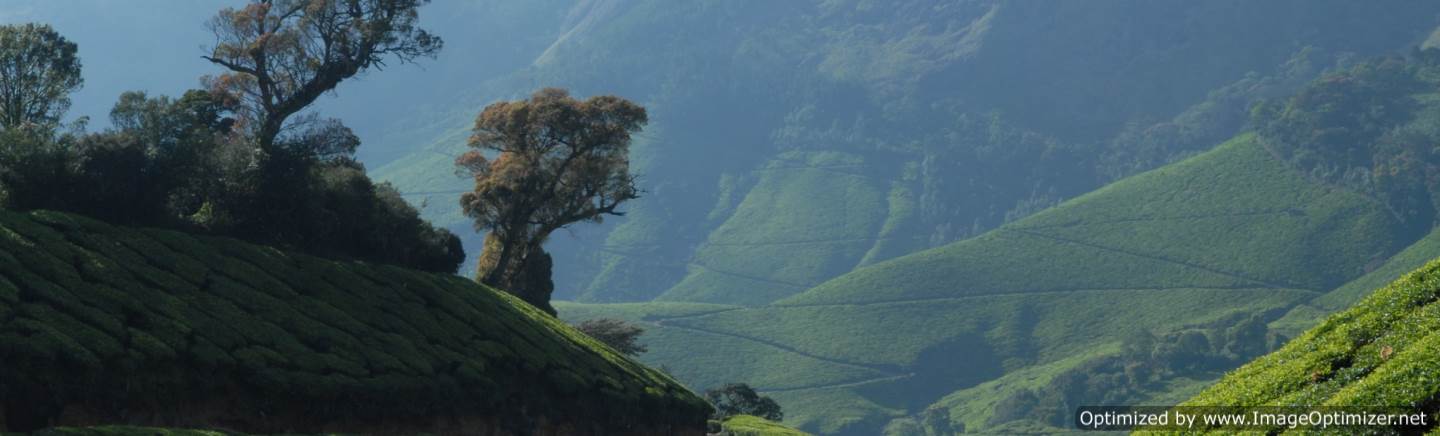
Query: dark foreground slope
x=1383 y=352
x=101 y=324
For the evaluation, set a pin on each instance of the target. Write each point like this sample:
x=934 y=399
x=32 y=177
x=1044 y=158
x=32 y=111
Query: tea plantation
x=1379 y=353
x=103 y=324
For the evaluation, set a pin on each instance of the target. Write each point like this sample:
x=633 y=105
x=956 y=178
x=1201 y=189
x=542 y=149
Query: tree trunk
x=522 y=271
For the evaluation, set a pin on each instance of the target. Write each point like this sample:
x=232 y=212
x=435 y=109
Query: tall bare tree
x=284 y=54
x=553 y=161
x=38 y=71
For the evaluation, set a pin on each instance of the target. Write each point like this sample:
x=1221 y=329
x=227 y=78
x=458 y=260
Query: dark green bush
x=176 y=164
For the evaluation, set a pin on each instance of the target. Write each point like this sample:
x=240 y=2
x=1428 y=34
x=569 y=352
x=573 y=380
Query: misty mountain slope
x=1381 y=352
x=811 y=215
x=957 y=117
x=1031 y=296
x=1234 y=217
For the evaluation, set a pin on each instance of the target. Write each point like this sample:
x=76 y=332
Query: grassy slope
x=1186 y=244
x=1307 y=315
x=190 y=315
x=1233 y=217
x=811 y=216
x=746 y=425
x=1344 y=361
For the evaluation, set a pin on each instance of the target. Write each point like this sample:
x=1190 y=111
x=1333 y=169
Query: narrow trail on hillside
x=887 y=370
x=804 y=242
x=658 y=319
x=883 y=374
x=832 y=170
x=1267 y=283
x=838 y=385
x=749 y=277
x=1036 y=292
x=1286 y=211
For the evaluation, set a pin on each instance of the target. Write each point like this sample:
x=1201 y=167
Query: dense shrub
x=177 y=164
x=1144 y=360
x=618 y=334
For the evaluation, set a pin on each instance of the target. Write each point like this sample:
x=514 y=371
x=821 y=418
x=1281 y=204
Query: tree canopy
x=740 y=399
x=284 y=54
x=38 y=71
x=618 y=334
x=540 y=165
x=214 y=160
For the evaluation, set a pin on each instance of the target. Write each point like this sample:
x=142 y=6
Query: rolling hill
x=792 y=142
x=1229 y=234
x=108 y=325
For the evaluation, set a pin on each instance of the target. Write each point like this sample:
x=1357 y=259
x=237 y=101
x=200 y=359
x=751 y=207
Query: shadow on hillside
x=959 y=363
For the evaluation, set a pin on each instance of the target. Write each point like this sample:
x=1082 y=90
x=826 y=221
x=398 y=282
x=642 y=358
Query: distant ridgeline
x=108 y=325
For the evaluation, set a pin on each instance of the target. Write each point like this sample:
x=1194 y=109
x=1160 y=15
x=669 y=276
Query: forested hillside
x=791 y=142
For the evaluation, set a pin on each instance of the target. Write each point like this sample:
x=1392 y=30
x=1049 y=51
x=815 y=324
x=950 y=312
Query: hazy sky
x=149 y=45
x=155 y=46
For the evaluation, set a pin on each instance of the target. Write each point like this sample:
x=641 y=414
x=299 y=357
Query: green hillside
x=809 y=216
x=113 y=325
x=1307 y=315
x=746 y=425
x=1379 y=353
x=791 y=142
x=1197 y=246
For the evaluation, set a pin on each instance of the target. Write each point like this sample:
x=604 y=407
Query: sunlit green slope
x=1229 y=234
x=1379 y=353
x=158 y=327
x=745 y=425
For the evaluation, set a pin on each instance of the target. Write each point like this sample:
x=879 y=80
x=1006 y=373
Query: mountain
x=1379 y=353
x=1205 y=243
x=1141 y=292
x=104 y=324
x=793 y=142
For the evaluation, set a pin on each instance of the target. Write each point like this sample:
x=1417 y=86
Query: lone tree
x=283 y=54
x=616 y=333
x=38 y=71
x=740 y=399
x=554 y=161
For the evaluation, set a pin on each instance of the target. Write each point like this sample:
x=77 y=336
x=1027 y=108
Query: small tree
x=554 y=161
x=284 y=54
x=616 y=333
x=38 y=71
x=739 y=399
